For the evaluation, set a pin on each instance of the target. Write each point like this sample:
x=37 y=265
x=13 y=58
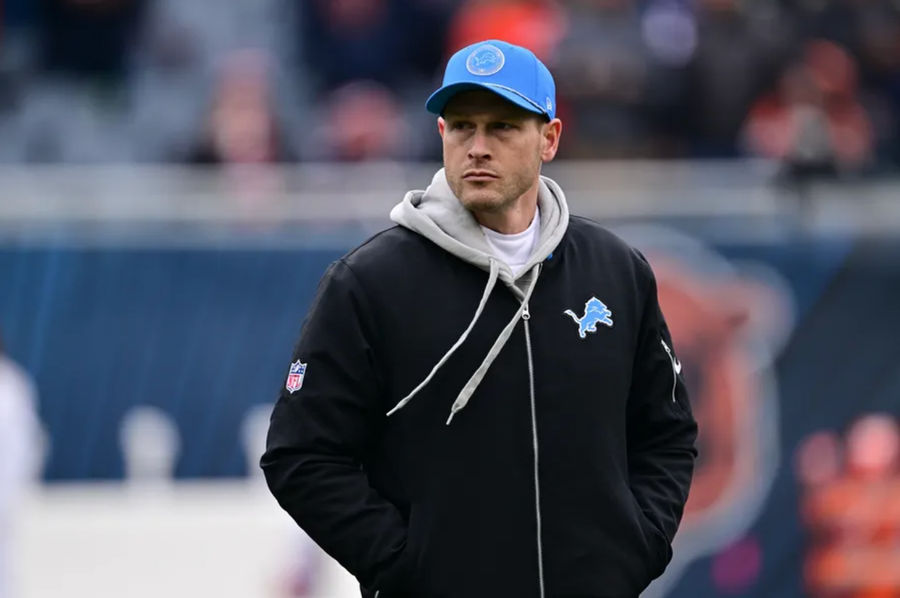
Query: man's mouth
x=479 y=176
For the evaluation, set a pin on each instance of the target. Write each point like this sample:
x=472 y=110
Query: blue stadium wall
x=205 y=334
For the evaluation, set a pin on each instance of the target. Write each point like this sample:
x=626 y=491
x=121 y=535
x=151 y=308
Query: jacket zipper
x=526 y=316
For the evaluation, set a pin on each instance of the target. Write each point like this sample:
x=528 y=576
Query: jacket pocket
x=406 y=581
x=657 y=550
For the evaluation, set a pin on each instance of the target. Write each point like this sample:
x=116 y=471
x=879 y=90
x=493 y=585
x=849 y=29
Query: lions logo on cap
x=485 y=60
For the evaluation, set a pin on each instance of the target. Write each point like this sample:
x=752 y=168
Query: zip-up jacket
x=542 y=447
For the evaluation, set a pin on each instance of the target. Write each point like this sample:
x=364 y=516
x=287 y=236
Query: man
x=441 y=434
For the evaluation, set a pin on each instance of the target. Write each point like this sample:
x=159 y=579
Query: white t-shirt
x=515 y=249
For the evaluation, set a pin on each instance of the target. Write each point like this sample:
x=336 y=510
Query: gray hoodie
x=438 y=215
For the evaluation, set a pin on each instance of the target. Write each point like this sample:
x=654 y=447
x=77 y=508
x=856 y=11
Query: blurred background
x=176 y=175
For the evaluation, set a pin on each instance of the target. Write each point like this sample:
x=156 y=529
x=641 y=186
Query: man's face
x=493 y=149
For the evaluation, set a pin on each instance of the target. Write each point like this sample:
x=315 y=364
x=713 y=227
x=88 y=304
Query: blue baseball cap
x=512 y=72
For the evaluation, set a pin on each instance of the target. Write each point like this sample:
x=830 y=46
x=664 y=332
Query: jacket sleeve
x=661 y=429
x=319 y=434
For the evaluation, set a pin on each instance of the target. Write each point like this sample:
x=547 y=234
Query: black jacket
x=414 y=507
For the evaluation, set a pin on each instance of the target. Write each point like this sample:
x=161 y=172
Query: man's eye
x=504 y=126
x=458 y=126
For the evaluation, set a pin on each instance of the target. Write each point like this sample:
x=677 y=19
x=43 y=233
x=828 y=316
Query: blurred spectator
x=879 y=59
x=538 y=25
x=242 y=126
x=387 y=41
x=19 y=450
x=362 y=120
x=670 y=33
x=636 y=78
x=813 y=121
x=851 y=506
x=602 y=72
x=89 y=37
x=669 y=29
x=739 y=52
x=870 y=32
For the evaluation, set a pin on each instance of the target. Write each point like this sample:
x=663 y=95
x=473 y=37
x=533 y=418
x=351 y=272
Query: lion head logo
x=485 y=60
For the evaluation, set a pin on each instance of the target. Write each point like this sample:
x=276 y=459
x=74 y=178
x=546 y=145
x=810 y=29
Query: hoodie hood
x=440 y=217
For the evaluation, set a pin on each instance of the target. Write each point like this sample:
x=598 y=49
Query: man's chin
x=482 y=202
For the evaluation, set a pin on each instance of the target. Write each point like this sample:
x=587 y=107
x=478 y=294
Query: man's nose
x=479 y=148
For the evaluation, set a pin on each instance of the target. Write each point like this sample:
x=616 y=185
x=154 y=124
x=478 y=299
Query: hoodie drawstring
x=492 y=281
x=469 y=389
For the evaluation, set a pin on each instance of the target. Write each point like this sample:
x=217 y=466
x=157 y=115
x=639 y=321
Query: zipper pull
x=526 y=315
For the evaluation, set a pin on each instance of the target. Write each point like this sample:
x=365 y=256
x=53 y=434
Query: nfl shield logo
x=295 y=376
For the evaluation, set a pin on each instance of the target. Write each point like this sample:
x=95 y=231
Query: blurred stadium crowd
x=815 y=83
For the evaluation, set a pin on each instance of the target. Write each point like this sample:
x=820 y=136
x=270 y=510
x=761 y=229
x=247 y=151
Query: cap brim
x=438 y=100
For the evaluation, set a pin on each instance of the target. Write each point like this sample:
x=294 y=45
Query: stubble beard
x=494 y=197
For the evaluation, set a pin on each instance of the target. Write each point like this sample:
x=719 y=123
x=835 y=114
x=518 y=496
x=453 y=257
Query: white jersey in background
x=19 y=451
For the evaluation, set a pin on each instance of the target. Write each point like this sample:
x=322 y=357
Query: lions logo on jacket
x=595 y=312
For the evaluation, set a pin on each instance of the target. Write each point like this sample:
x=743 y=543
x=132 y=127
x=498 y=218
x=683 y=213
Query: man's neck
x=515 y=219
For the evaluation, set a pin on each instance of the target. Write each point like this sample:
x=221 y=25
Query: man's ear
x=441 y=126
x=550 y=133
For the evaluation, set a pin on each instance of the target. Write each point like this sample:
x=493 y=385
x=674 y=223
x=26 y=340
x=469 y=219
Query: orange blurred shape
x=538 y=25
x=858 y=507
x=852 y=507
x=840 y=568
x=876 y=593
x=707 y=318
